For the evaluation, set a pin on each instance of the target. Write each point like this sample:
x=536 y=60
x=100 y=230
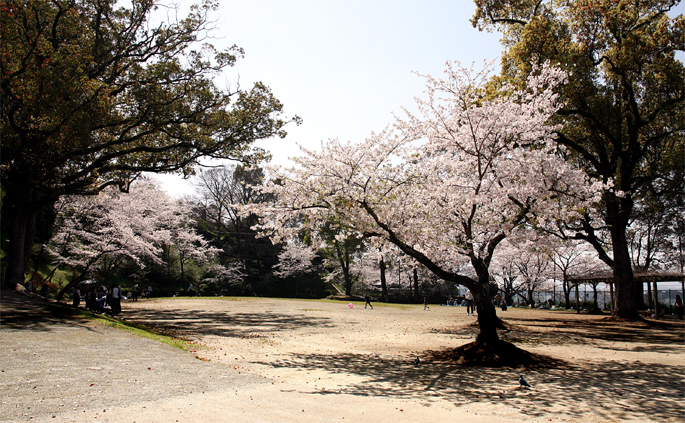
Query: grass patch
x=63 y=310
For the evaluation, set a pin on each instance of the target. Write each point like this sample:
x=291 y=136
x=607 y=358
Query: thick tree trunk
x=344 y=260
x=531 y=301
x=488 y=322
x=22 y=217
x=628 y=293
x=416 y=282
x=384 y=284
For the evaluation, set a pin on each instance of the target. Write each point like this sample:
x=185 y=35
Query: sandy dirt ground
x=273 y=360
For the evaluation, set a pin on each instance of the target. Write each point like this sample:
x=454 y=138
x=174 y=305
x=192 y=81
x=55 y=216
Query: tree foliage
x=95 y=93
x=220 y=191
x=96 y=235
x=449 y=186
x=623 y=103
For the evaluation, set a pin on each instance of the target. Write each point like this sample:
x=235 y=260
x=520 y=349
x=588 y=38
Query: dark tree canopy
x=624 y=101
x=93 y=94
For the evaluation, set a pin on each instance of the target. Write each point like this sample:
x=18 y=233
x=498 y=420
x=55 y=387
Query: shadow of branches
x=560 y=329
x=196 y=323
x=22 y=312
x=611 y=389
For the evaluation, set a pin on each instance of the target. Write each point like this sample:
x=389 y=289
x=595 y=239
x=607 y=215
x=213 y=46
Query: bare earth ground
x=273 y=360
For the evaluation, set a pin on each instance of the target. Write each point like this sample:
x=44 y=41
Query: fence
x=395 y=294
x=665 y=296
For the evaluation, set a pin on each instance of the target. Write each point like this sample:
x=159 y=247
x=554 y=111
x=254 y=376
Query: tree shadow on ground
x=29 y=312
x=612 y=390
x=197 y=323
x=556 y=329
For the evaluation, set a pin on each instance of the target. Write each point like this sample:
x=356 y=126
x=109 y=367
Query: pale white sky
x=346 y=66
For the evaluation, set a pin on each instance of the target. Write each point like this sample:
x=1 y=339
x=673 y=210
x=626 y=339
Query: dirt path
x=306 y=361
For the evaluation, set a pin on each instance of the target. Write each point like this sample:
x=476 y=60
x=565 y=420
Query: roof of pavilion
x=608 y=278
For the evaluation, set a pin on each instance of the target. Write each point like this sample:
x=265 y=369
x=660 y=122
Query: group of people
x=105 y=300
x=101 y=299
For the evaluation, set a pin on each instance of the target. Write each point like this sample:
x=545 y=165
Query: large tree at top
x=94 y=93
x=449 y=186
x=623 y=104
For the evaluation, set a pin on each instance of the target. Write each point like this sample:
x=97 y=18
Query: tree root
x=495 y=354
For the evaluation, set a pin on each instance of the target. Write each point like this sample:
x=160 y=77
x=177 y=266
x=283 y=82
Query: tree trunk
x=628 y=293
x=344 y=260
x=416 y=282
x=384 y=284
x=567 y=292
x=22 y=216
x=531 y=300
x=488 y=322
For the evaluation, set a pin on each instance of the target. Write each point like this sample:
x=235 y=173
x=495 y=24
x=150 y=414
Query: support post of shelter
x=611 y=291
x=656 y=299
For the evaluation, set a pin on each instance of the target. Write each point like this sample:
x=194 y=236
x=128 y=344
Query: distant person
x=368 y=301
x=191 y=290
x=134 y=292
x=498 y=299
x=470 y=307
x=503 y=304
x=678 y=307
x=149 y=291
x=116 y=299
x=425 y=304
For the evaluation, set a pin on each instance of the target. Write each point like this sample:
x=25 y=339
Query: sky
x=344 y=67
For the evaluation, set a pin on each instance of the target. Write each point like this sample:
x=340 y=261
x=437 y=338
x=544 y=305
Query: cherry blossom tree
x=189 y=245
x=505 y=270
x=224 y=275
x=532 y=263
x=574 y=258
x=115 y=227
x=446 y=186
x=294 y=259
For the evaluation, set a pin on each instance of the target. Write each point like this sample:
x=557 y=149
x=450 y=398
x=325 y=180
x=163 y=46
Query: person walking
x=425 y=303
x=470 y=308
x=678 y=307
x=368 y=301
x=134 y=292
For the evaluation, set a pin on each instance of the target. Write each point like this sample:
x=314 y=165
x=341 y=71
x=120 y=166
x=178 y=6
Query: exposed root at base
x=495 y=354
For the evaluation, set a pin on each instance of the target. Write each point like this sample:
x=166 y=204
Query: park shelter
x=650 y=278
